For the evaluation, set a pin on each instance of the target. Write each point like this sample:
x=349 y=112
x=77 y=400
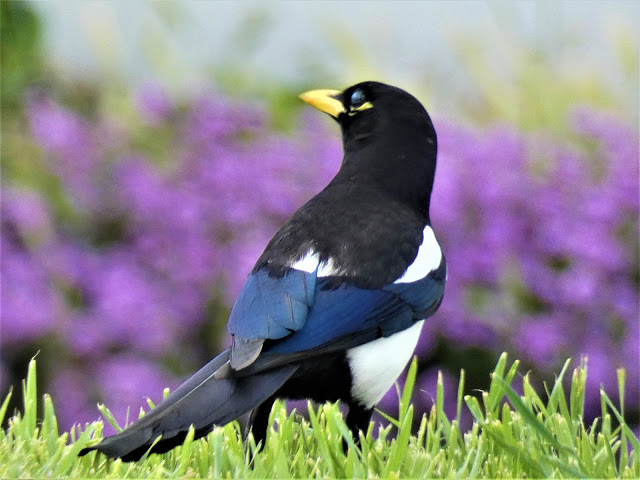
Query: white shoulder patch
x=311 y=262
x=327 y=269
x=376 y=365
x=427 y=260
x=308 y=263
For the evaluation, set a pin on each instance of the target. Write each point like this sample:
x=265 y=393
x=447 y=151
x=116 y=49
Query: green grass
x=512 y=436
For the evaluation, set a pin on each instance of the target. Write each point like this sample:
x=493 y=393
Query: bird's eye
x=358 y=102
x=357 y=98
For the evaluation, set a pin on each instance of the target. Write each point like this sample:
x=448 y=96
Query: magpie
x=333 y=307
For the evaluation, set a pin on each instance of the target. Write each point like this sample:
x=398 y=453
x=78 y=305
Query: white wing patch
x=427 y=260
x=327 y=269
x=311 y=261
x=308 y=263
x=376 y=365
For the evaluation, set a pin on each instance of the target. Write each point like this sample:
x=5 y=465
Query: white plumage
x=428 y=258
x=376 y=365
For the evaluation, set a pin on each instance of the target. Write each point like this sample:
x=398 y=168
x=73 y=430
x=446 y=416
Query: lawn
x=513 y=436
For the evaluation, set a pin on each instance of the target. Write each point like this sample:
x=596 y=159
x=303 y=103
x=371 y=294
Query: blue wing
x=268 y=307
x=302 y=312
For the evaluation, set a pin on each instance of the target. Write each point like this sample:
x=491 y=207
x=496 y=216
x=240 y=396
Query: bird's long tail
x=205 y=399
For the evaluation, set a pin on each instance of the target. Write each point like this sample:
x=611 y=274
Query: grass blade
x=5 y=405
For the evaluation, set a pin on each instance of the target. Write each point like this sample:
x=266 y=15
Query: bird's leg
x=259 y=421
x=358 y=419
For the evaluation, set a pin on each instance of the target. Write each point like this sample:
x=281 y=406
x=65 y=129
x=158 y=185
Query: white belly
x=375 y=366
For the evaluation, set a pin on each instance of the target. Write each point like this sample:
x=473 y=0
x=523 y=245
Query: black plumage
x=346 y=280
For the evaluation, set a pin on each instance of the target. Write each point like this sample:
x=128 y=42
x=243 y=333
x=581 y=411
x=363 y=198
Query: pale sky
x=337 y=43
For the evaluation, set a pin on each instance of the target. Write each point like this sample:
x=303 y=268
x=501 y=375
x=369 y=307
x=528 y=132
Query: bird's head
x=388 y=137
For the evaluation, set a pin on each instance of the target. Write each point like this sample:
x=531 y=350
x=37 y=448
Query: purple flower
x=30 y=306
x=127 y=305
x=541 y=340
x=126 y=381
x=28 y=213
x=469 y=332
x=154 y=104
x=601 y=372
x=69 y=150
x=630 y=361
x=540 y=235
x=69 y=391
x=428 y=338
x=213 y=119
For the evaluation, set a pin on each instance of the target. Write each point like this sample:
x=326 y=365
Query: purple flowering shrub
x=541 y=238
x=126 y=288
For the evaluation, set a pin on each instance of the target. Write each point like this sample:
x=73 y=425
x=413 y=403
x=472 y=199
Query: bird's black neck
x=363 y=166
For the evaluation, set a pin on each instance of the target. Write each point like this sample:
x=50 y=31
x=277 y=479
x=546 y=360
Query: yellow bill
x=325 y=101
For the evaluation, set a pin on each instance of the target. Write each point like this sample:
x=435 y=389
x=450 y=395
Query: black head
x=388 y=139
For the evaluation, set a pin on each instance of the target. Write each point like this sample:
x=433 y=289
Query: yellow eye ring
x=359 y=108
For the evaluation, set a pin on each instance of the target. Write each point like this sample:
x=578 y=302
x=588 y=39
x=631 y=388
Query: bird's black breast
x=367 y=239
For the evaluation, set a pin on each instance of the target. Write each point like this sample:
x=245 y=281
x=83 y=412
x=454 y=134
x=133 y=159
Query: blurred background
x=151 y=149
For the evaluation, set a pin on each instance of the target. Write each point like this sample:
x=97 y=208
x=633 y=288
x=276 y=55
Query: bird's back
x=364 y=238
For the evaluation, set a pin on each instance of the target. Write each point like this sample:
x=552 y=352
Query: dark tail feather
x=202 y=401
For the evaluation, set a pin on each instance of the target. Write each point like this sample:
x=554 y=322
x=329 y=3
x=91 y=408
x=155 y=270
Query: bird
x=334 y=306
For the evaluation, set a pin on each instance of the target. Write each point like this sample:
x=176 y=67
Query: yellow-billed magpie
x=333 y=308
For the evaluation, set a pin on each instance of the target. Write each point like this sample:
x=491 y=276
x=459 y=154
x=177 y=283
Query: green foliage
x=536 y=90
x=512 y=436
x=20 y=54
